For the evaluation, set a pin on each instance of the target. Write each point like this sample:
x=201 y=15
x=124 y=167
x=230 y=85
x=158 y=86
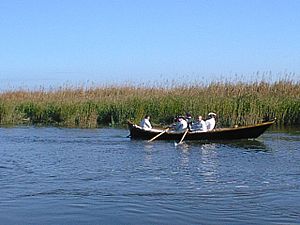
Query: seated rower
x=199 y=125
x=181 y=124
x=211 y=121
x=188 y=118
x=145 y=123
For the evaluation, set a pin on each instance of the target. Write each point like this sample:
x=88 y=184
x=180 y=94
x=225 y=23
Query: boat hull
x=245 y=132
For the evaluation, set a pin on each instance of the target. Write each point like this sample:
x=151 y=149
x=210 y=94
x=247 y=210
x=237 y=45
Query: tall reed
x=235 y=103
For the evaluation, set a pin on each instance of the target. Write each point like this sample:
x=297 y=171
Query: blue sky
x=51 y=42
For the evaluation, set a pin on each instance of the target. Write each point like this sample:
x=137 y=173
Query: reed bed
x=235 y=104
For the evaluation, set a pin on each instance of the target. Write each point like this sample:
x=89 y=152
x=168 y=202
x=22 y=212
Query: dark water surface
x=81 y=176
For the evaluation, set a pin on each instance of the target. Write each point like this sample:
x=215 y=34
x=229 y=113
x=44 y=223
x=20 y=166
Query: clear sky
x=54 y=41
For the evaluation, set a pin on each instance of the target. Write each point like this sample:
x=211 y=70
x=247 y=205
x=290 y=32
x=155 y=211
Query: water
x=81 y=176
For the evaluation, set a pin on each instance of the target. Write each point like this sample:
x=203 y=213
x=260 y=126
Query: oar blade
x=181 y=141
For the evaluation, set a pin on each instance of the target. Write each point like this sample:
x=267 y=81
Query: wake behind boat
x=243 y=132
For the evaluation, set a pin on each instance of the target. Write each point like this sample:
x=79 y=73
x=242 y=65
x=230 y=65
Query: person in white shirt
x=181 y=124
x=145 y=123
x=199 y=125
x=211 y=122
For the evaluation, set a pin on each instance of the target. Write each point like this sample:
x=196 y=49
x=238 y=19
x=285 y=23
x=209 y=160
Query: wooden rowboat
x=243 y=132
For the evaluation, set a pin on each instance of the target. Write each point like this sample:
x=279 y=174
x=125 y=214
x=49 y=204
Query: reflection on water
x=77 y=176
x=254 y=144
x=210 y=161
x=289 y=130
x=207 y=165
x=250 y=145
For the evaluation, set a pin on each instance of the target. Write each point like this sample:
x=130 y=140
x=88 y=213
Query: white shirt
x=210 y=123
x=199 y=126
x=145 y=124
x=181 y=125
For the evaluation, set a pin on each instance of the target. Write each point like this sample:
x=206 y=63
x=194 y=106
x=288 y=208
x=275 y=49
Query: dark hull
x=246 y=132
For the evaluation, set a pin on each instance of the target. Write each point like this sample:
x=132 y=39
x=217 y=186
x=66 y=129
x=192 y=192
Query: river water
x=86 y=176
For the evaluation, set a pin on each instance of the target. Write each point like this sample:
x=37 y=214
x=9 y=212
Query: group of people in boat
x=181 y=123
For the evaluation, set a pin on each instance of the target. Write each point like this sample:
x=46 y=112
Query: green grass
x=235 y=103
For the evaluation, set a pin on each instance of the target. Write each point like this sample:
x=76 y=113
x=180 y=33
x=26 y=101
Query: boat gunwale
x=217 y=130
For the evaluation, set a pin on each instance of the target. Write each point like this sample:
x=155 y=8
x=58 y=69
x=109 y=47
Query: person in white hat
x=211 y=122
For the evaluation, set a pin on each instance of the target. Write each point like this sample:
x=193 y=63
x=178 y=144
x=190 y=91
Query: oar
x=183 y=136
x=152 y=139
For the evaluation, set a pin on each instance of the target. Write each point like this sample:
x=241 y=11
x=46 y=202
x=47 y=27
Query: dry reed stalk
x=239 y=103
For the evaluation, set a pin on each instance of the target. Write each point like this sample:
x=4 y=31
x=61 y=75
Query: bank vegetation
x=235 y=104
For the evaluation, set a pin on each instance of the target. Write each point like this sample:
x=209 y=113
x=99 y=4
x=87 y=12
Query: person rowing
x=199 y=125
x=211 y=121
x=181 y=124
x=189 y=120
x=145 y=123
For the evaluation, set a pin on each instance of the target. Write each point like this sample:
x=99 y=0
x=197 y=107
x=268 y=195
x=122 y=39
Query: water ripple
x=100 y=176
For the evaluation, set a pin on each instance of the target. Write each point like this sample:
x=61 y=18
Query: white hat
x=212 y=114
